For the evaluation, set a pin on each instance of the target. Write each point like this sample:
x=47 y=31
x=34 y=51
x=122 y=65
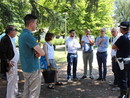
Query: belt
x=102 y=52
x=113 y=56
x=73 y=53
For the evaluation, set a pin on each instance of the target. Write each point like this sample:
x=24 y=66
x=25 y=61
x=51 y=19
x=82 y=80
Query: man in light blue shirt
x=102 y=43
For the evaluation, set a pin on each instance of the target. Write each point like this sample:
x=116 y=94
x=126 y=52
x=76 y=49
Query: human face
x=87 y=32
x=72 y=34
x=33 y=25
x=114 y=32
x=102 y=32
x=121 y=30
x=13 y=33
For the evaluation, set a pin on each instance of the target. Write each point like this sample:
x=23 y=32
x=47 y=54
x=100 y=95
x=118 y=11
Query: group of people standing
x=120 y=55
x=87 y=43
x=30 y=52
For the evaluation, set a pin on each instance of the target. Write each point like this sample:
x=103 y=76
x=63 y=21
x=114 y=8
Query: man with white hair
x=115 y=67
x=102 y=43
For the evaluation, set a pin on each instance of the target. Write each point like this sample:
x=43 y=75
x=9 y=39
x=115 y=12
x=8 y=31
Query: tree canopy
x=52 y=14
x=122 y=12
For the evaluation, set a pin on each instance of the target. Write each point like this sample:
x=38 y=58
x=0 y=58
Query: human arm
x=115 y=47
x=97 y=42
x=46 y=53
x=4 y=48
x=39 y=51
x=72 y=44
x=31 y=42
x=106 y=42
x=91 y=40
x=118 y=43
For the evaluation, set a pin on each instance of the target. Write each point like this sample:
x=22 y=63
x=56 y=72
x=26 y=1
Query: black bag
x=49 y=75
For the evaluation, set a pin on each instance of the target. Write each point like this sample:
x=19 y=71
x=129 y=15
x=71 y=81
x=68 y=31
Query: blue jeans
x=102 y=60
x=72 y=60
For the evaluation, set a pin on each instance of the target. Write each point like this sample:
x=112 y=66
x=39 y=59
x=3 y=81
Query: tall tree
x=122 y=10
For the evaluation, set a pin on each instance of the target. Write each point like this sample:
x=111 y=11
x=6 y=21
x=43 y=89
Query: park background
x=58 y=17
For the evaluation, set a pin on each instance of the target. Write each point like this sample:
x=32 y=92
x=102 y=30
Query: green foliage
x=122 y=12
x=58 y=41
x=81 y=14
x=55 y=41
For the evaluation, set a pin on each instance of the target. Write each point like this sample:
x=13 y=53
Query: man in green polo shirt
x=29 y=53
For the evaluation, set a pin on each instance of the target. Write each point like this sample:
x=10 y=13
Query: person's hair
x=9 y=28
x=29 y=18
x=49 y=36
x=71 y=31
x=103 y=29
x=115 y=28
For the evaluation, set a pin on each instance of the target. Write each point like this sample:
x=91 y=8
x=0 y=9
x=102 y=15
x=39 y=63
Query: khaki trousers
x=32 y=85
x=88 y=57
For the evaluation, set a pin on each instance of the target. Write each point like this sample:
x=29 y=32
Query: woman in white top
x=49 y=54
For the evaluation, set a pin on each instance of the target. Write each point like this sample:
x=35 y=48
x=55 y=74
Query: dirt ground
x=86 y=88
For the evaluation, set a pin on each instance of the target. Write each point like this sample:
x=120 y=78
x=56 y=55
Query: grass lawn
x=60 y=55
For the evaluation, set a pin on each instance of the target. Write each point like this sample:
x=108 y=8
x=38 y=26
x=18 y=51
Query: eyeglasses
x=112 y=31
x=102 y=31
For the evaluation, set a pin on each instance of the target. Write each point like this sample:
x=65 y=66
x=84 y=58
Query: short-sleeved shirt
x=29 y=61
x=85 y=39
x=123 y=43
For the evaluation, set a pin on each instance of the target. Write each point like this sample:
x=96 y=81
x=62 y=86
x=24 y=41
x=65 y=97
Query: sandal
x=59 y=83
x=50 y=86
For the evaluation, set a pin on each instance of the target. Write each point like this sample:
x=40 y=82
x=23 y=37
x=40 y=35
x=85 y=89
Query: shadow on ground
x=86 y=88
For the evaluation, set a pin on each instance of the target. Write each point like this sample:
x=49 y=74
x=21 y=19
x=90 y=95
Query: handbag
x=49 y=75
x=43 y=62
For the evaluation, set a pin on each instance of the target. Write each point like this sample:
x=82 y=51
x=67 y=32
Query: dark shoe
x=91 y=77
x=75 y=79
x=99 y=79
x=58 y=83
x=113 y=85
x=83 y=77
x=103 y=79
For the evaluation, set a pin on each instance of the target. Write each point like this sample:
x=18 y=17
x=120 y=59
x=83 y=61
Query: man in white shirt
x=9 y=59
x=115 y=66
x=72 y=57
x=87 y=47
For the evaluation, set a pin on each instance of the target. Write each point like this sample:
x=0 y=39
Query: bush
x=55 y=41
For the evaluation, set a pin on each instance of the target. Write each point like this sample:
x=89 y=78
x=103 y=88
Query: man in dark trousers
x=122 y=45
x=9 y=59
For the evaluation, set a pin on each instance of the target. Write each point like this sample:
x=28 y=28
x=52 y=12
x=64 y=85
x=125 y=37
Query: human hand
x=11 y=63
x=87 y=35
x=102 y=40
x=48 y=65
x=37 y=54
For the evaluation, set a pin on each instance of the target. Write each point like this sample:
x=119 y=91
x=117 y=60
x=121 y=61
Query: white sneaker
x=69 y=80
